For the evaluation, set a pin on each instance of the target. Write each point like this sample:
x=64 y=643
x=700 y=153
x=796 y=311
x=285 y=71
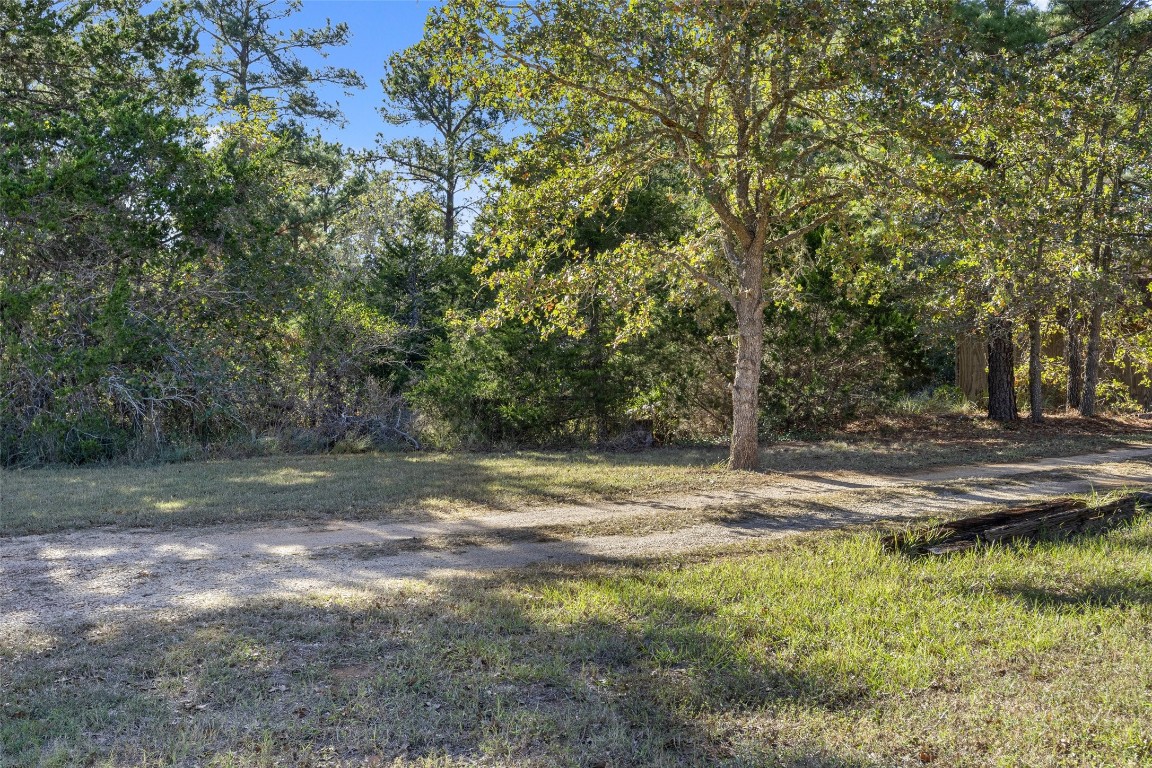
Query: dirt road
x=93 y=575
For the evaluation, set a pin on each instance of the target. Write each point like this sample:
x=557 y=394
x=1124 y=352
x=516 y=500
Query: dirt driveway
x=94 y=575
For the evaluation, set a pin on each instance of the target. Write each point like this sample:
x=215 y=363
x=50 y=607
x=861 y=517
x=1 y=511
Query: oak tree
x=758 y=104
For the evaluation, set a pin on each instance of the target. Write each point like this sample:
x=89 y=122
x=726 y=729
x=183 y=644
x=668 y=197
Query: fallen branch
x=1063 y=516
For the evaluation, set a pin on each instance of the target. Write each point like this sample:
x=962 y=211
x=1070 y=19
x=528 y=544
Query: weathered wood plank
x=1023 y=522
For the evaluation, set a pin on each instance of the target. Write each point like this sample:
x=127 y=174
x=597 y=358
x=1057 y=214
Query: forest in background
x=613 y=223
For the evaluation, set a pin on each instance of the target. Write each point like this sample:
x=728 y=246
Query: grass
x=922 y=404
x=821 y=651
x=414 y=485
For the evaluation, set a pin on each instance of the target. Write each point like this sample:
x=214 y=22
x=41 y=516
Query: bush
x=830 y=358
x=509 y=387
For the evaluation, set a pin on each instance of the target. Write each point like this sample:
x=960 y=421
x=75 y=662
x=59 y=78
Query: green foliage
x=761 y=109
x=253 y=61
x=518 y=383
x=830 y=356
x=94 y=161
x=1029 y=204
x=696 y=189
x=507 y=386
x=993 y=27
x=615 y=93
x=152 y=266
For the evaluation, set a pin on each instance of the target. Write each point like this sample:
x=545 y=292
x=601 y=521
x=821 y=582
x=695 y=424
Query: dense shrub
x=830 y=357
x=827 y=359
x=509 y=386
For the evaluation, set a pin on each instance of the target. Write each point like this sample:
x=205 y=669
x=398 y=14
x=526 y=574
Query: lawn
x=415 y=485
x=818 y=651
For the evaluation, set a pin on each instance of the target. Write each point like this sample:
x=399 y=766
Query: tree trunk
x=745 y=448
x=1074 y=356
x=1092 y=361
x=1035 y=371
x=1001 y=375
x=450 y=216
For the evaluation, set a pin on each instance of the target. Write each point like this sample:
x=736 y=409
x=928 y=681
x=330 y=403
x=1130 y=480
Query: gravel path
x=93 y=575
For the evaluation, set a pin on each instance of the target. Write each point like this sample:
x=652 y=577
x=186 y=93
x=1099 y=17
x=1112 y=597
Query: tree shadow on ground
x=424 y=485
x=470 y=672
x=1103 y=593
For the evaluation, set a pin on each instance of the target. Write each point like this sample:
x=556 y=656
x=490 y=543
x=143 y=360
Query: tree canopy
x=611 y=222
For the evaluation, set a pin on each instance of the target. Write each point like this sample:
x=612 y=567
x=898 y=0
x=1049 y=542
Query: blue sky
x=378 y=28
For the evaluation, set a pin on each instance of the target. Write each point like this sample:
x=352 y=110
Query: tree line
x=609 y=223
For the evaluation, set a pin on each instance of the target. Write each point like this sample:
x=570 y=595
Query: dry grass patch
x=627 y=525
x=424 y=485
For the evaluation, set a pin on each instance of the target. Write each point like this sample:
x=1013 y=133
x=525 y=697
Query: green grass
x=823 y=651
x=383 y=485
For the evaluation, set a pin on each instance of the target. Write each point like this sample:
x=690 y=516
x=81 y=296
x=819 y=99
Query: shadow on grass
x=424 y=485
x=1114 y=593
x=620 y=666
x=472 y=673
x=416 y=486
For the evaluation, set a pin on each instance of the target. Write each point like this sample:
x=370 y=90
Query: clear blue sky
x=378 y=28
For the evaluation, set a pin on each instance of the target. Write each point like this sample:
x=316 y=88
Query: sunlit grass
x=826 y=651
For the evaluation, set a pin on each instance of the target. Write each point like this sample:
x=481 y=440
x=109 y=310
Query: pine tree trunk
x=1001 y=374
x=450 y=217
x=1092 y=361
x=1074 y=357
x=1035 y=372
x=745 y=448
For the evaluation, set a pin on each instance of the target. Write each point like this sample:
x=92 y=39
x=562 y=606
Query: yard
x=414 y=485
x=275 y=639
x=598 y=383
x=817 y=651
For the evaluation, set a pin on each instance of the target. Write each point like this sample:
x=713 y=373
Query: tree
x=977 y=202
x=153 y=269
x=757 y=104
x=507 y=385
x=1008 y=166
x=105 y=195
x=250 y=58
x=1107 y=169
x=464 y=131
x=395 y=237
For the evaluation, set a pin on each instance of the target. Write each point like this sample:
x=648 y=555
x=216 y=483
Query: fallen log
x=1008 y=516
x=1057 y=516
